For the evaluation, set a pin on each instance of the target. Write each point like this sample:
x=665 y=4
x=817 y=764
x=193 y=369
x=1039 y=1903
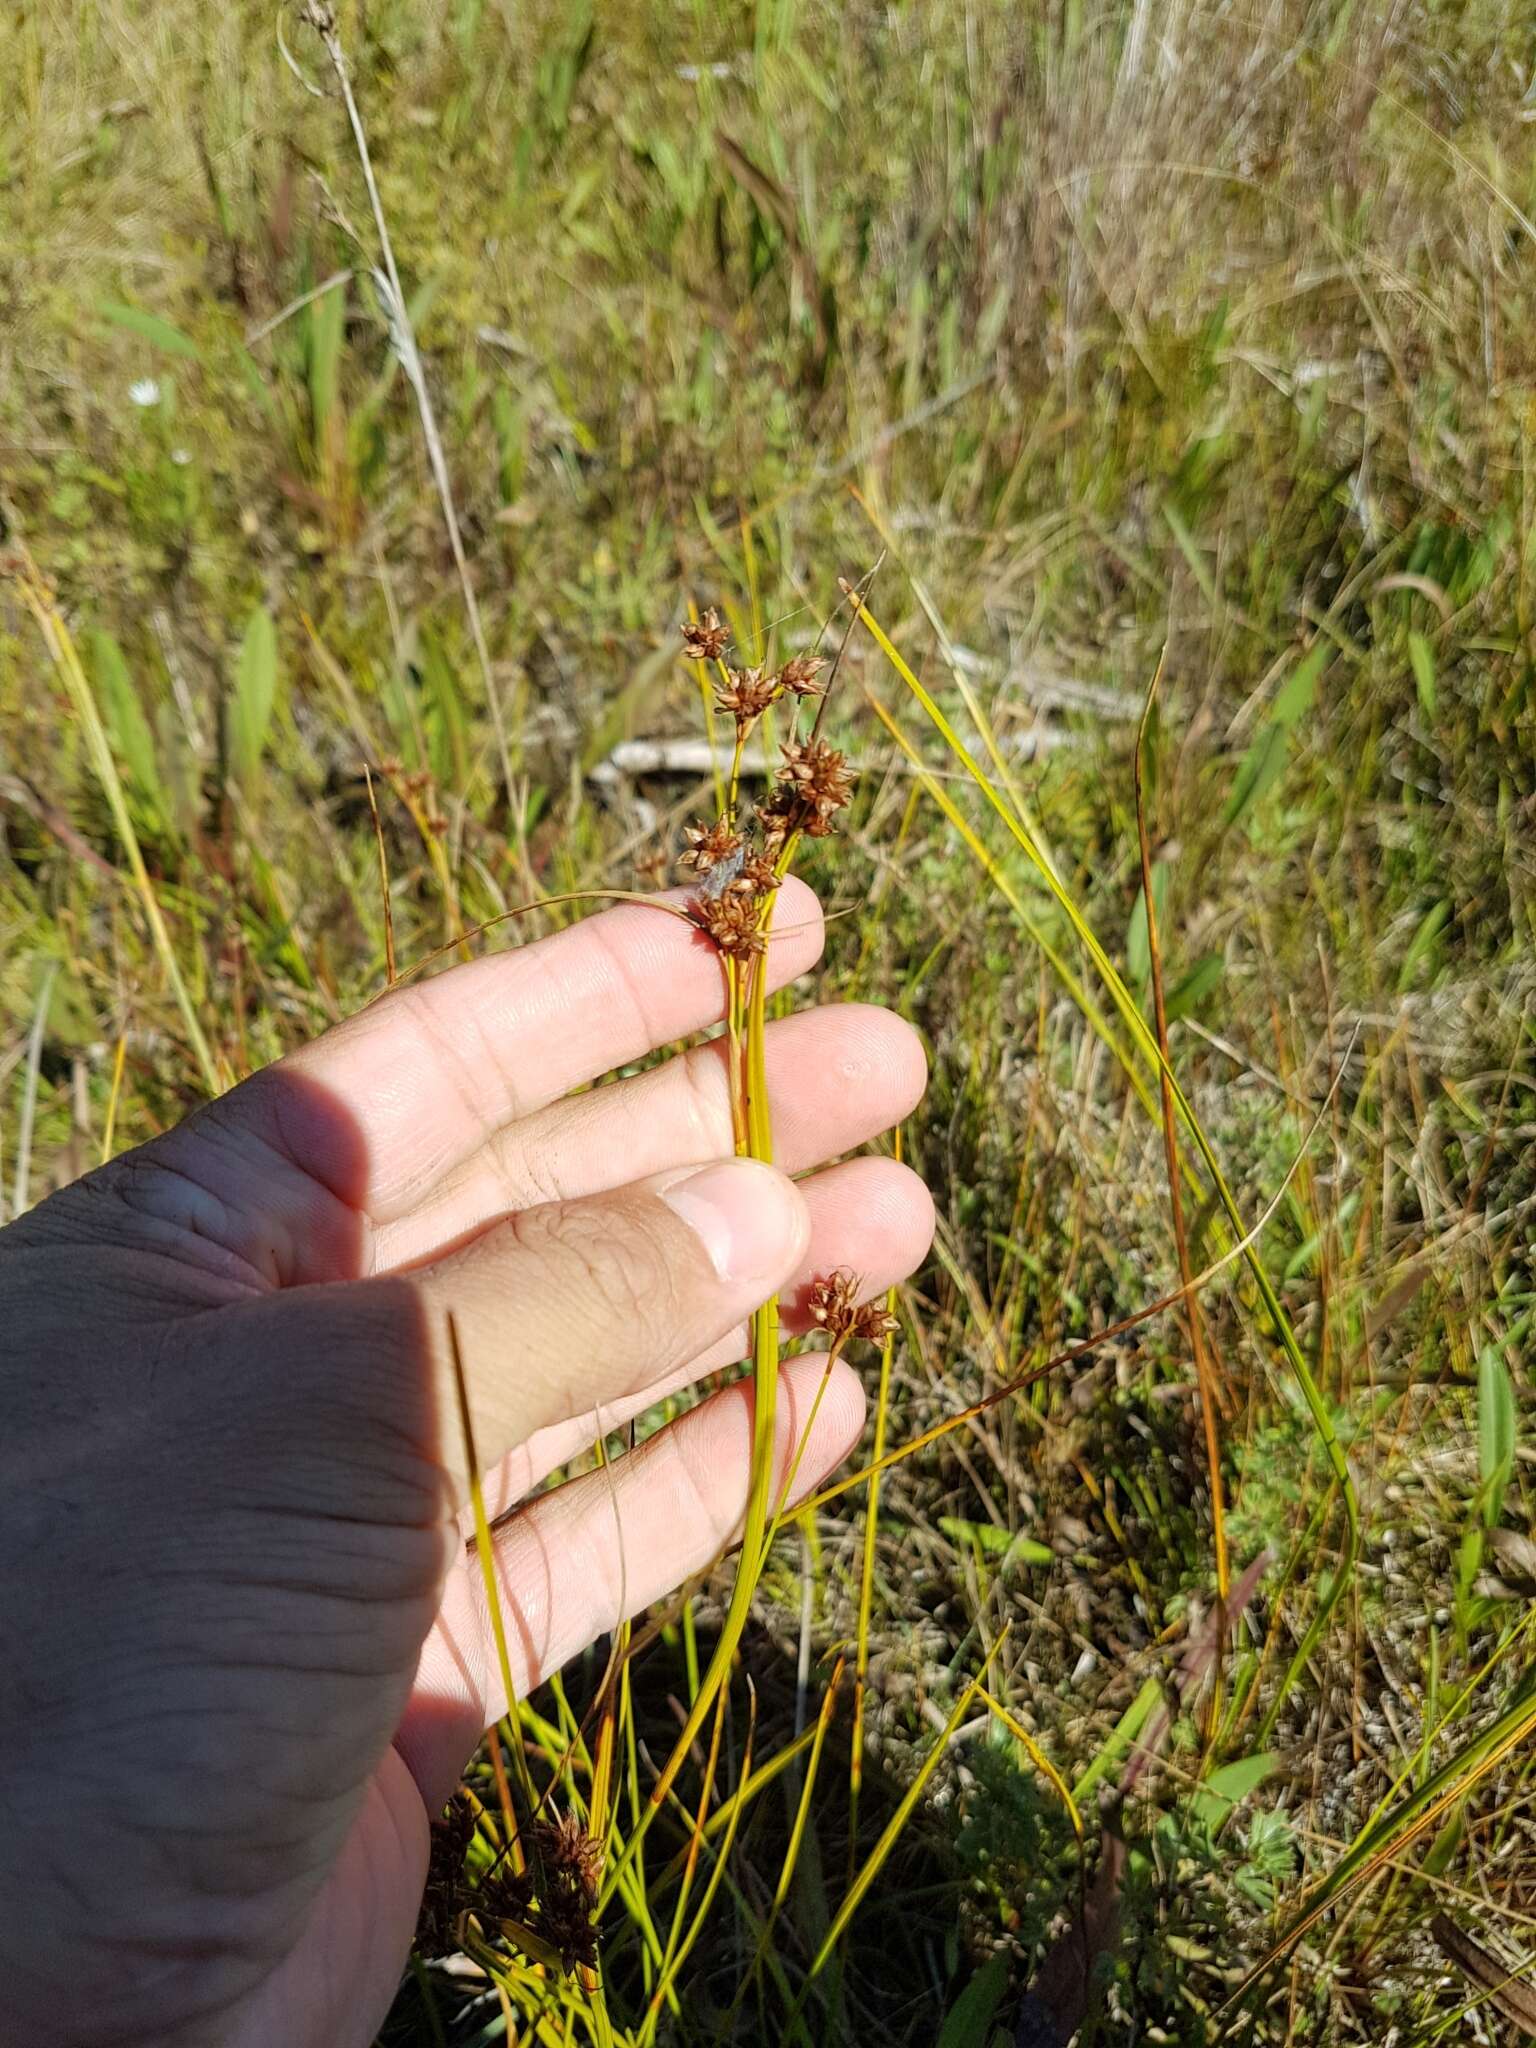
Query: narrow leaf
x=1228 y=1787
x=1261 y=765
x=968 y=2023
x=1138 y=951
x=149 y=327
x=1495 y=1430
x=253 y=697
x=1202 y=980
x=127 y=727
x=1295 y=695
x=1257 y=772
x=1421 y=658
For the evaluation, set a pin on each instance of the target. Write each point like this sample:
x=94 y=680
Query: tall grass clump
x=1160 y=1665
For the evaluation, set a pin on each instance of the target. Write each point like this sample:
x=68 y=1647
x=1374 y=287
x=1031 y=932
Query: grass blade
x=875 y=1862
x=1147 y=1045
x=39 y=601
x=253 y=699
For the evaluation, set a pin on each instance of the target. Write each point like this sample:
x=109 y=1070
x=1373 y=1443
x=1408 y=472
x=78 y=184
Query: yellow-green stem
x=867 y=1575
x=765 y=1381
x=61 y=648
x=1146 y=1044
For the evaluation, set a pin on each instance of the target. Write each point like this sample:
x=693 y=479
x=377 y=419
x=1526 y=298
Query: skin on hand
x=247 y=1656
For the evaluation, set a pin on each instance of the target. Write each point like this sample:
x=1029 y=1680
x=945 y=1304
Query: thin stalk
x=796 y=1835
x=403 y=340
x=690 y=1865
x=765 y=1372
x=38 y=599
x=1146 y=1043
x=1037 y=1757
x=1385 y=1839
x=385 y=904
x=114 y=1096
x=787 y=1485
x=706 y=696
x=487 y=1557
x=1005 y=888
x=676 y=1959
x=867 y=1578
x=1012 y=1387
x=1205 y=1377
x=888 y=1839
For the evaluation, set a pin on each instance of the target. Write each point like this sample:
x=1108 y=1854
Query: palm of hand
x=252 y=1657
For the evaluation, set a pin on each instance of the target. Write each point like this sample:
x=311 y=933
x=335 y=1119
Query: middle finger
x=837 y=1077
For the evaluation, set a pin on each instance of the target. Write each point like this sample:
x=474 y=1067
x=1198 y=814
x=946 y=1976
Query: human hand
x=245 y=1654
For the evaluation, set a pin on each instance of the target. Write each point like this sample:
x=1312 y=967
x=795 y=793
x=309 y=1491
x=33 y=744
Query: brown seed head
x=572 y=1860
x=873 y=1323
x=569 y=1851
x=832 y=1302
x=799 y=674
x=554 y=1897
x=503 y=1894
x=747 y=694
x=775 y=814
x=758 y=876
x=651 y=867
x=819 y=779
x=443 y=1898
x=708 y=845
x=705 y=639
x=732 y=922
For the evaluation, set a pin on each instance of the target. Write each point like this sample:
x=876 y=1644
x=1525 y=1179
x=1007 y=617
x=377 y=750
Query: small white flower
x=181 y=457
x=145 y=392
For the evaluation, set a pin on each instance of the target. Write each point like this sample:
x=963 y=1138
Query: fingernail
x=746 y=1215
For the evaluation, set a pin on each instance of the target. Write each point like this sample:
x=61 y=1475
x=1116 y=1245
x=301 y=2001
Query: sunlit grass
x=1208 y=347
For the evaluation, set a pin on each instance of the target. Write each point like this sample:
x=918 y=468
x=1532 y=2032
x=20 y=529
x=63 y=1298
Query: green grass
x=1171 y=334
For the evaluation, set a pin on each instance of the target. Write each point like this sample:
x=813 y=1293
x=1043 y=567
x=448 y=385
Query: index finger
x=427 y=1074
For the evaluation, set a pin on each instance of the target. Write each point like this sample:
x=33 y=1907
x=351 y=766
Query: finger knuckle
x=610 y=1261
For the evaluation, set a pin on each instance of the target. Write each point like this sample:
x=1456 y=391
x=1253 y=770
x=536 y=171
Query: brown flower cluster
x=799 y=673
x=832 y=1303
x=417 y=790
x=736 y=876
x=726 y=862
x=705 y=639
x=571 y=1860
x=733 y=922
x=814 y=784
x=554 y=1897
x=443 y=1900
x=811 y=787
x=710 y=846
x=746 y=693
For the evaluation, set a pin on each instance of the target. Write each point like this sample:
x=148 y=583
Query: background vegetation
x=1206 y=329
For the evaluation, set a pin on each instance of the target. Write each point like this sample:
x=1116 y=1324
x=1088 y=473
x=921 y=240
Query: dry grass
x=1169 y=332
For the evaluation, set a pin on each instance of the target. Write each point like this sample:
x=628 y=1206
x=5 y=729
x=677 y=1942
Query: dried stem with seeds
x=739 y=871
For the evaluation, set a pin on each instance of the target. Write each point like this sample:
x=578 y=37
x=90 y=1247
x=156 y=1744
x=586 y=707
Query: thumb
x=559 y=1309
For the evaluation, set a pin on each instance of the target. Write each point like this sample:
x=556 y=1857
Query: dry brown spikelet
x=799 y=674
x=443 y=1898
x=832 y=1303
x=819 y=780
x=732 y=921
x=747 y=694
x=705 y=639
x=708 y=845
x=758 y=876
